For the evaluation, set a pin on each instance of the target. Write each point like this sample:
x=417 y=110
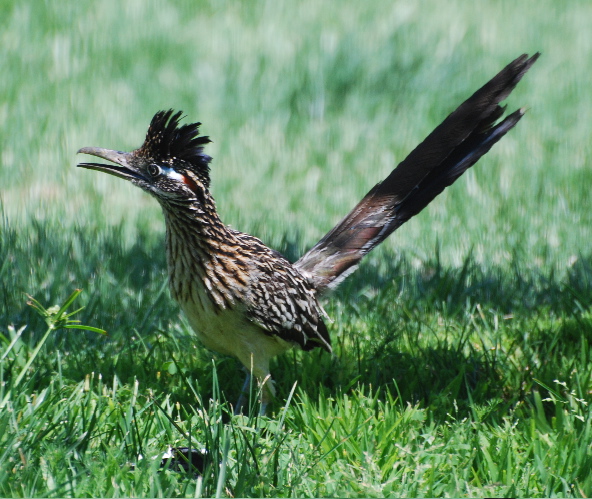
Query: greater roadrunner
x=245 y=299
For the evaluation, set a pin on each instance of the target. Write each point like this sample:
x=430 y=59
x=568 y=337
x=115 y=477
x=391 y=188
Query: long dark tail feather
x=453 y=147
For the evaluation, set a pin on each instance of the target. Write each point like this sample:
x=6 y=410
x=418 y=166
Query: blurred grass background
x=308 y=107
x=465 y=311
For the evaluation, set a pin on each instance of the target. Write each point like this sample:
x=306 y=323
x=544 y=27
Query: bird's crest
x=168 y=142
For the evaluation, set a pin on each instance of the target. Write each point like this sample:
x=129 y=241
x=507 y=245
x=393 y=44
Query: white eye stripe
x=170 y=173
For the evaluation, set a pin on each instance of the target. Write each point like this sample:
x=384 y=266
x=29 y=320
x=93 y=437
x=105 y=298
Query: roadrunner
x=245 y=299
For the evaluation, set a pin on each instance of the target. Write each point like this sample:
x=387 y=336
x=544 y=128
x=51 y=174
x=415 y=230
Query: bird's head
x=170 y=164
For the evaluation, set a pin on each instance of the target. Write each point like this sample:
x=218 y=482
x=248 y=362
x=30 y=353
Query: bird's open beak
x=122 y=167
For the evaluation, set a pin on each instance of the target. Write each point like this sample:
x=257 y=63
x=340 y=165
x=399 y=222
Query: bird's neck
x=195 y=223
x=195 y=240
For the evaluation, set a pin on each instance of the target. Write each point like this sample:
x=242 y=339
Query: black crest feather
x=167 y=141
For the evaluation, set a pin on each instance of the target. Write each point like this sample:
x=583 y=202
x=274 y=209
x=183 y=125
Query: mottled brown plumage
x=245 y=299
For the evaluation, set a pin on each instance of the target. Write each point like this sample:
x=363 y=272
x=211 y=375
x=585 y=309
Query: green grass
x=462 y=362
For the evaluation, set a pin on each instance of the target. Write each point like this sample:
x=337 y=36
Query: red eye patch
x=190 y=182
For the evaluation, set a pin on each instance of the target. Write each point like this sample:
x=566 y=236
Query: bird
x=246 y=300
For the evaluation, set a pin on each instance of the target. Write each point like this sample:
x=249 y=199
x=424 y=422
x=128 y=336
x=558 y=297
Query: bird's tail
x=453 y=147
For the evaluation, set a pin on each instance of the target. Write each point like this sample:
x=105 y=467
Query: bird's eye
x=154 y=170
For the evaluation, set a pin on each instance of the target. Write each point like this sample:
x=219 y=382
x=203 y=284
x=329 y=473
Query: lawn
x=462 y=362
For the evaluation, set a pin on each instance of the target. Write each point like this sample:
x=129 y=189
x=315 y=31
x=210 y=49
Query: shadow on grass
x=450 y=337
x=386 y=318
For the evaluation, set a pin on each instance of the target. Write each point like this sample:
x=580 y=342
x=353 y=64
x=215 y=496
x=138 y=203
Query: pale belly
x=227 y=332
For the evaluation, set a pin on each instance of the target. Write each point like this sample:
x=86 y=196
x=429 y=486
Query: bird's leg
x=245 y=391
x=266 y=393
